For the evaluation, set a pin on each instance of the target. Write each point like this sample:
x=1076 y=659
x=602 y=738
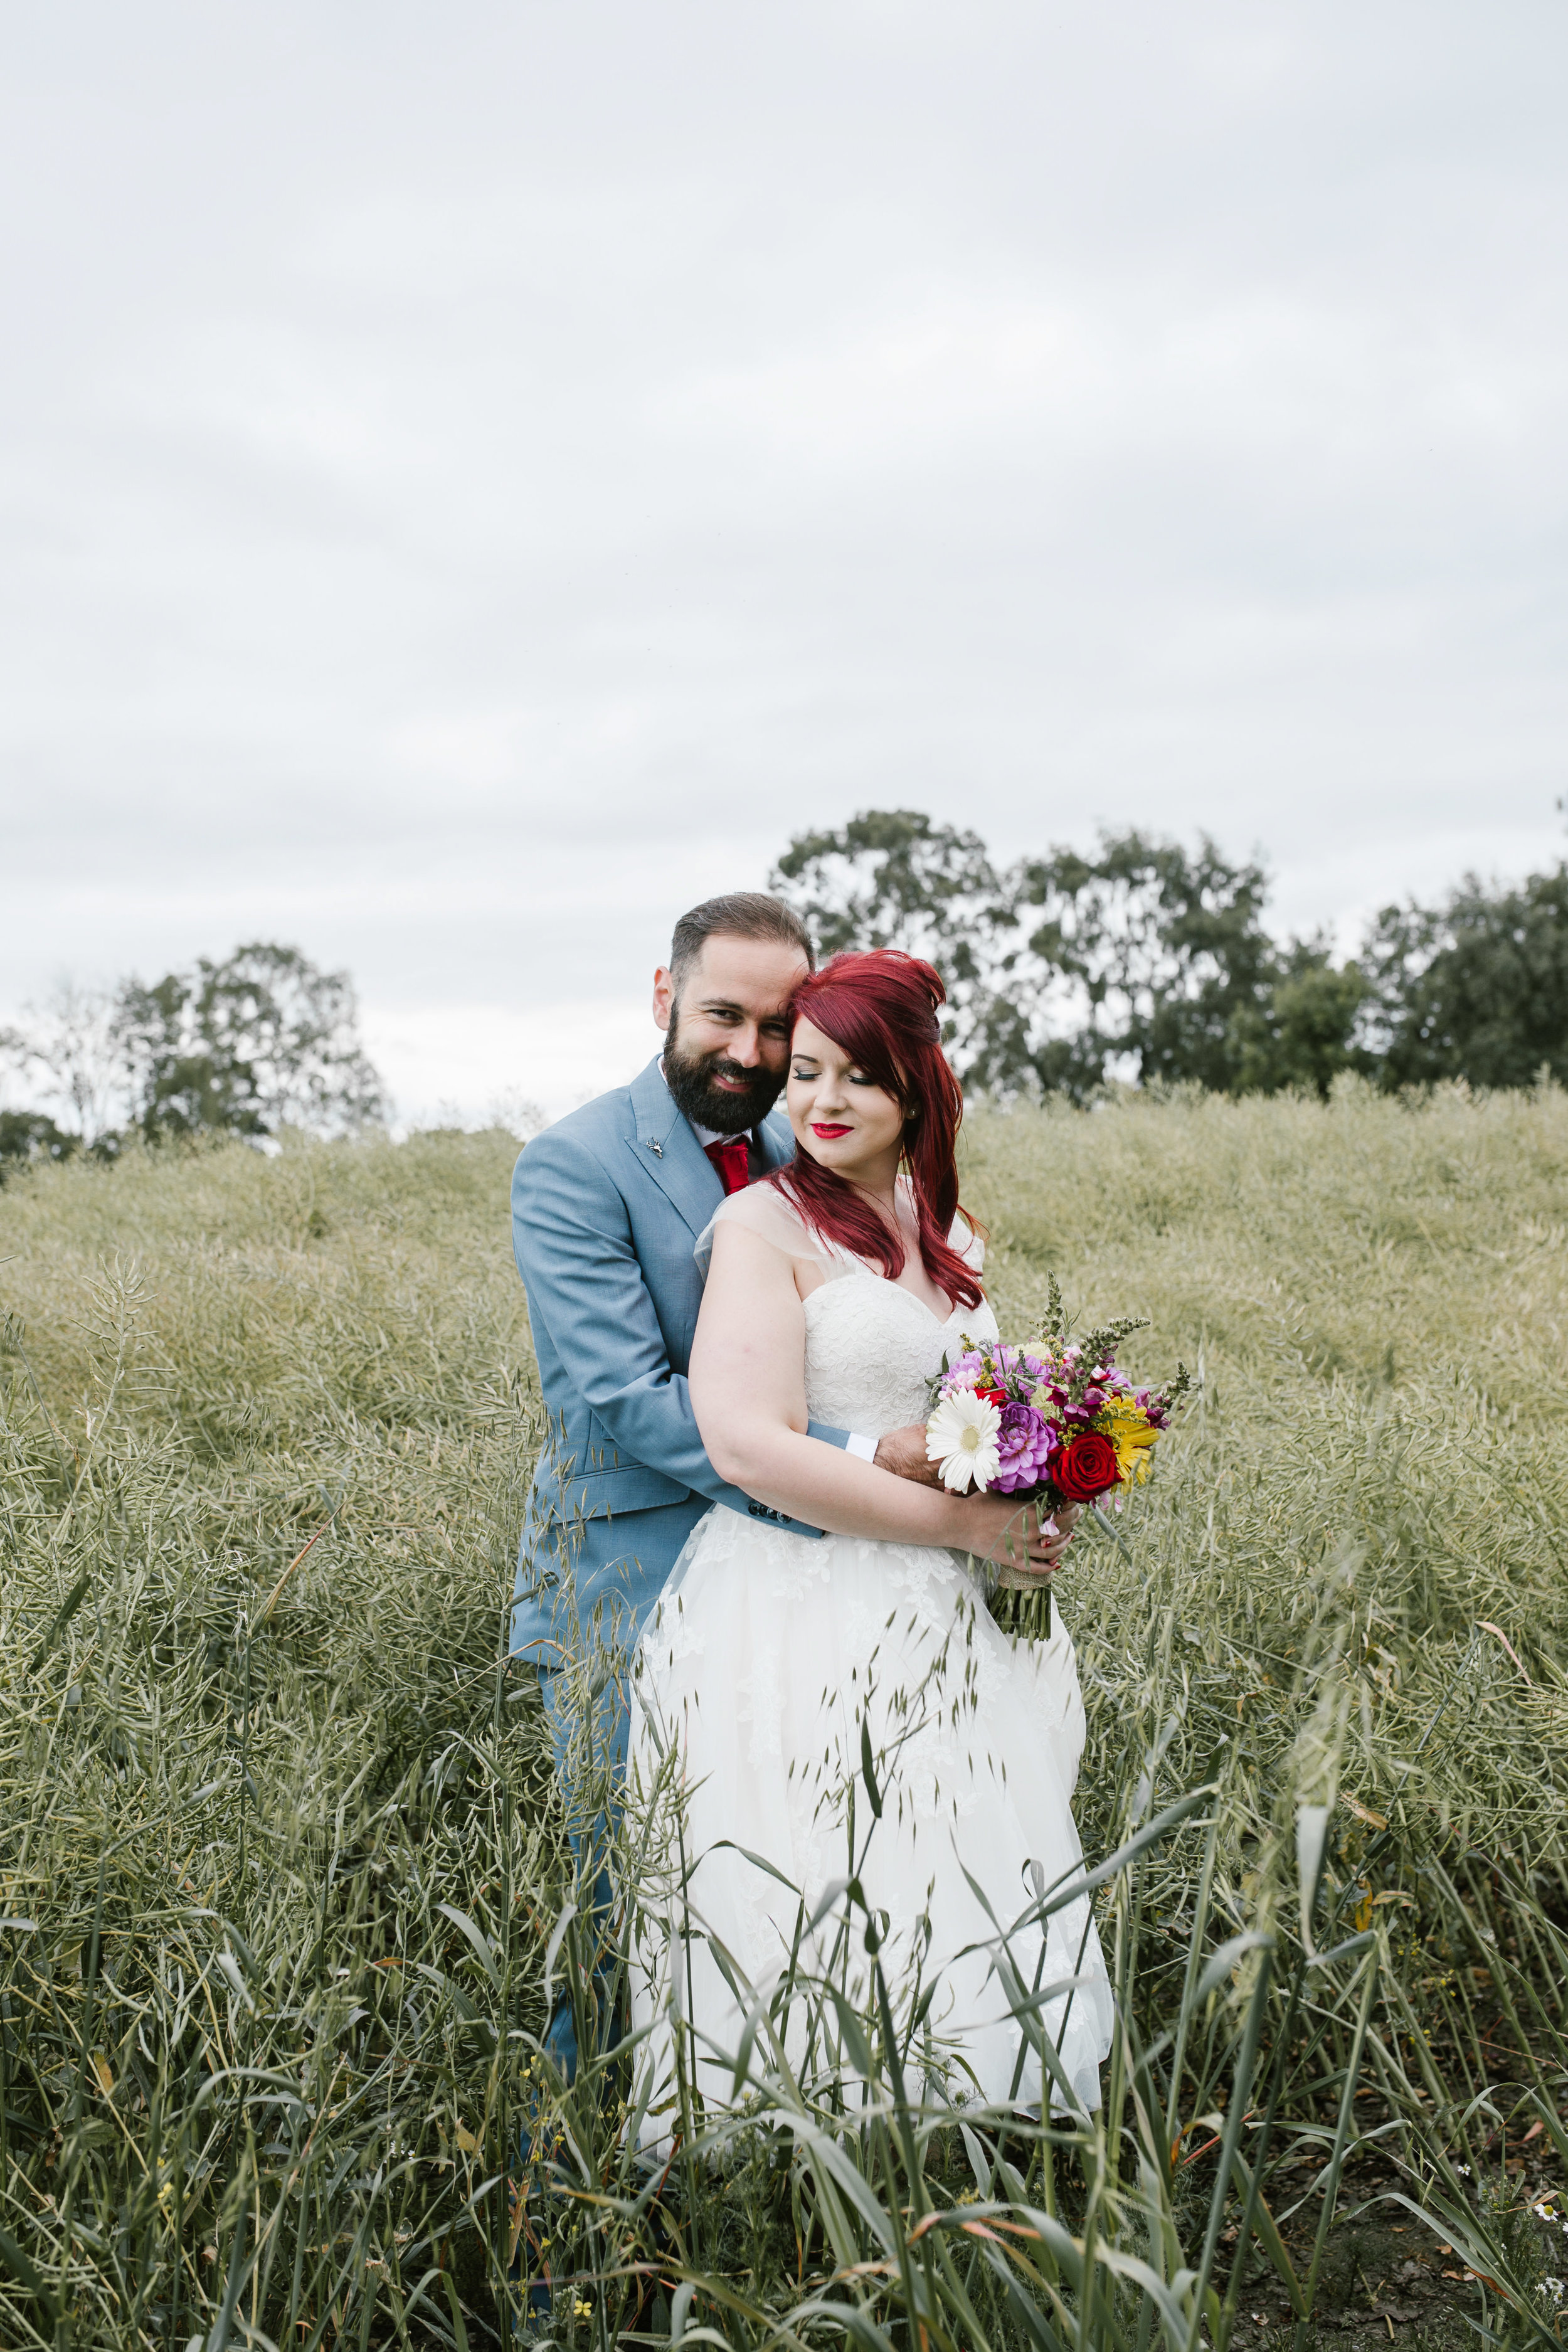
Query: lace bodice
x=870 y=1345
x=871 y=1348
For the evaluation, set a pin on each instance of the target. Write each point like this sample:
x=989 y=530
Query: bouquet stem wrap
x=1021 y=1605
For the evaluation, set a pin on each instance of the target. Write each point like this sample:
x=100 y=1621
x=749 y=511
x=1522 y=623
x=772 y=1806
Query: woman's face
x=839 y=1115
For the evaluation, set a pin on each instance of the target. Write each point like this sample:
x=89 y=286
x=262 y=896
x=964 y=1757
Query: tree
x=1304 y=1031
x=245 y=1047
x=182 y=1084
x=27 y=1136
x=891 y=878
x=1066 y=969
x=1477 y=988
x=73 y=1047
x=1159 y=953
x=297 y=1028
x=262 y=1041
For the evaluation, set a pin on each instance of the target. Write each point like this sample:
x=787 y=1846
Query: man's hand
x=903 y=1452
x=1035 y=1544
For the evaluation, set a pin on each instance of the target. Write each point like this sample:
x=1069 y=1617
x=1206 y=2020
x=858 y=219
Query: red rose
x=997 y=1397
x=1086 y=1467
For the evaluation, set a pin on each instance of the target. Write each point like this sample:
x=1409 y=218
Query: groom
x=607 y=1207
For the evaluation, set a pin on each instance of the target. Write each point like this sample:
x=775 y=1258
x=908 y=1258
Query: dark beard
x=689 y=1077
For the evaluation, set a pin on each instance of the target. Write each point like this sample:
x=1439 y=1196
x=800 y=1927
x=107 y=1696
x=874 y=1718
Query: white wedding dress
x=765 y=1655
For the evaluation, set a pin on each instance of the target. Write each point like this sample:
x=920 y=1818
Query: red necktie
x=733 y=1162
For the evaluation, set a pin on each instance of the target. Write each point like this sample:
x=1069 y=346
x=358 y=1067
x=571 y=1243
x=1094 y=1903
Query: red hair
x=880 y=1008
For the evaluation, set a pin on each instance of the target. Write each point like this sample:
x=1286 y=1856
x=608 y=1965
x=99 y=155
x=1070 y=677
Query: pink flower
x=1025 y=1444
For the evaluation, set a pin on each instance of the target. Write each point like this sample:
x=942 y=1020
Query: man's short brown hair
x=744 y=915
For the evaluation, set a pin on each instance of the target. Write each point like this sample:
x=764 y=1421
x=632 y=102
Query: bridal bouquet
x=1053 y=1422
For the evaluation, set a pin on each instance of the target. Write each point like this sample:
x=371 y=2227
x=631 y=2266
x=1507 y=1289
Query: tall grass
x=280 y=1870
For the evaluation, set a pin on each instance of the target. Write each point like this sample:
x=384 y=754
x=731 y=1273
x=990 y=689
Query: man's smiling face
x=726 y=1031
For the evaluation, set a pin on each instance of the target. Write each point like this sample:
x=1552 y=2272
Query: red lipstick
x=826 y=1133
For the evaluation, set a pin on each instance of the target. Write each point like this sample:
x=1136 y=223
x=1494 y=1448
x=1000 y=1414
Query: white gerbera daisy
x=961 y=1439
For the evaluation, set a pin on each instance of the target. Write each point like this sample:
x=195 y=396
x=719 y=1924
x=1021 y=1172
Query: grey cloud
x=469 y=482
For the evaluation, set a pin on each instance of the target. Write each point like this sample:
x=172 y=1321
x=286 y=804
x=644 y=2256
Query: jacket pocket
x=600 y=1494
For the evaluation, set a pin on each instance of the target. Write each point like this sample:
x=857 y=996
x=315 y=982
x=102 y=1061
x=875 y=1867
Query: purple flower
x=1024 y=1444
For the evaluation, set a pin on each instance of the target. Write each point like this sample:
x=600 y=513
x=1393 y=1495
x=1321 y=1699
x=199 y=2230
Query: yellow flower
x=1127 y=1425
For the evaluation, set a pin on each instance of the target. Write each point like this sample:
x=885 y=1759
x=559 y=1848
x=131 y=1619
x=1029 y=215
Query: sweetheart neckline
x=942 y=1321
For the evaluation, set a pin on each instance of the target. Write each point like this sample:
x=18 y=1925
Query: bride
x=775 y=1668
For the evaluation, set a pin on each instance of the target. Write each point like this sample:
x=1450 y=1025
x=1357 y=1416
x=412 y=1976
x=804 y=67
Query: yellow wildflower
x=1128 y=1426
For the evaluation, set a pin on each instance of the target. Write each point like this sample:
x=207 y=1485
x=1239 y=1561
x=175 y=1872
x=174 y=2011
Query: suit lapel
x=671 y=1154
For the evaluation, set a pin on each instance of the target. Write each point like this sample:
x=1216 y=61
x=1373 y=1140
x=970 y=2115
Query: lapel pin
x=657 y=1149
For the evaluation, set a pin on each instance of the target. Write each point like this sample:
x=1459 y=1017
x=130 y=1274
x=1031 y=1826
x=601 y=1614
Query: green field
x=260 y=2085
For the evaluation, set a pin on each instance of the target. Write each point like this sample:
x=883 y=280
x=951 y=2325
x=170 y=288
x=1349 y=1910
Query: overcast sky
x=476 y=478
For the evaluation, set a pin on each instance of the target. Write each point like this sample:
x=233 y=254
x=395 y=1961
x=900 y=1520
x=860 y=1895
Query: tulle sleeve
x=764 y=1211
x=968 y=1244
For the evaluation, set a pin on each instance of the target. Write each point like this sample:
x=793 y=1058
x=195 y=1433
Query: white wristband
x=864 y=1449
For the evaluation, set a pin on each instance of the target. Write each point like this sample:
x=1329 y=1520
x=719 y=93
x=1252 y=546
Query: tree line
x=1144 y=961
x=1148 y=962
x=262 y=1040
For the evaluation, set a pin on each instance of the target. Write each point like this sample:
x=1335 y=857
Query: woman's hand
x=748 y=1393
x=1023 y=1544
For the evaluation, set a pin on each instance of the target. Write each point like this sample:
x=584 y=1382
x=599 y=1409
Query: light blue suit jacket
x=607 y=1207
